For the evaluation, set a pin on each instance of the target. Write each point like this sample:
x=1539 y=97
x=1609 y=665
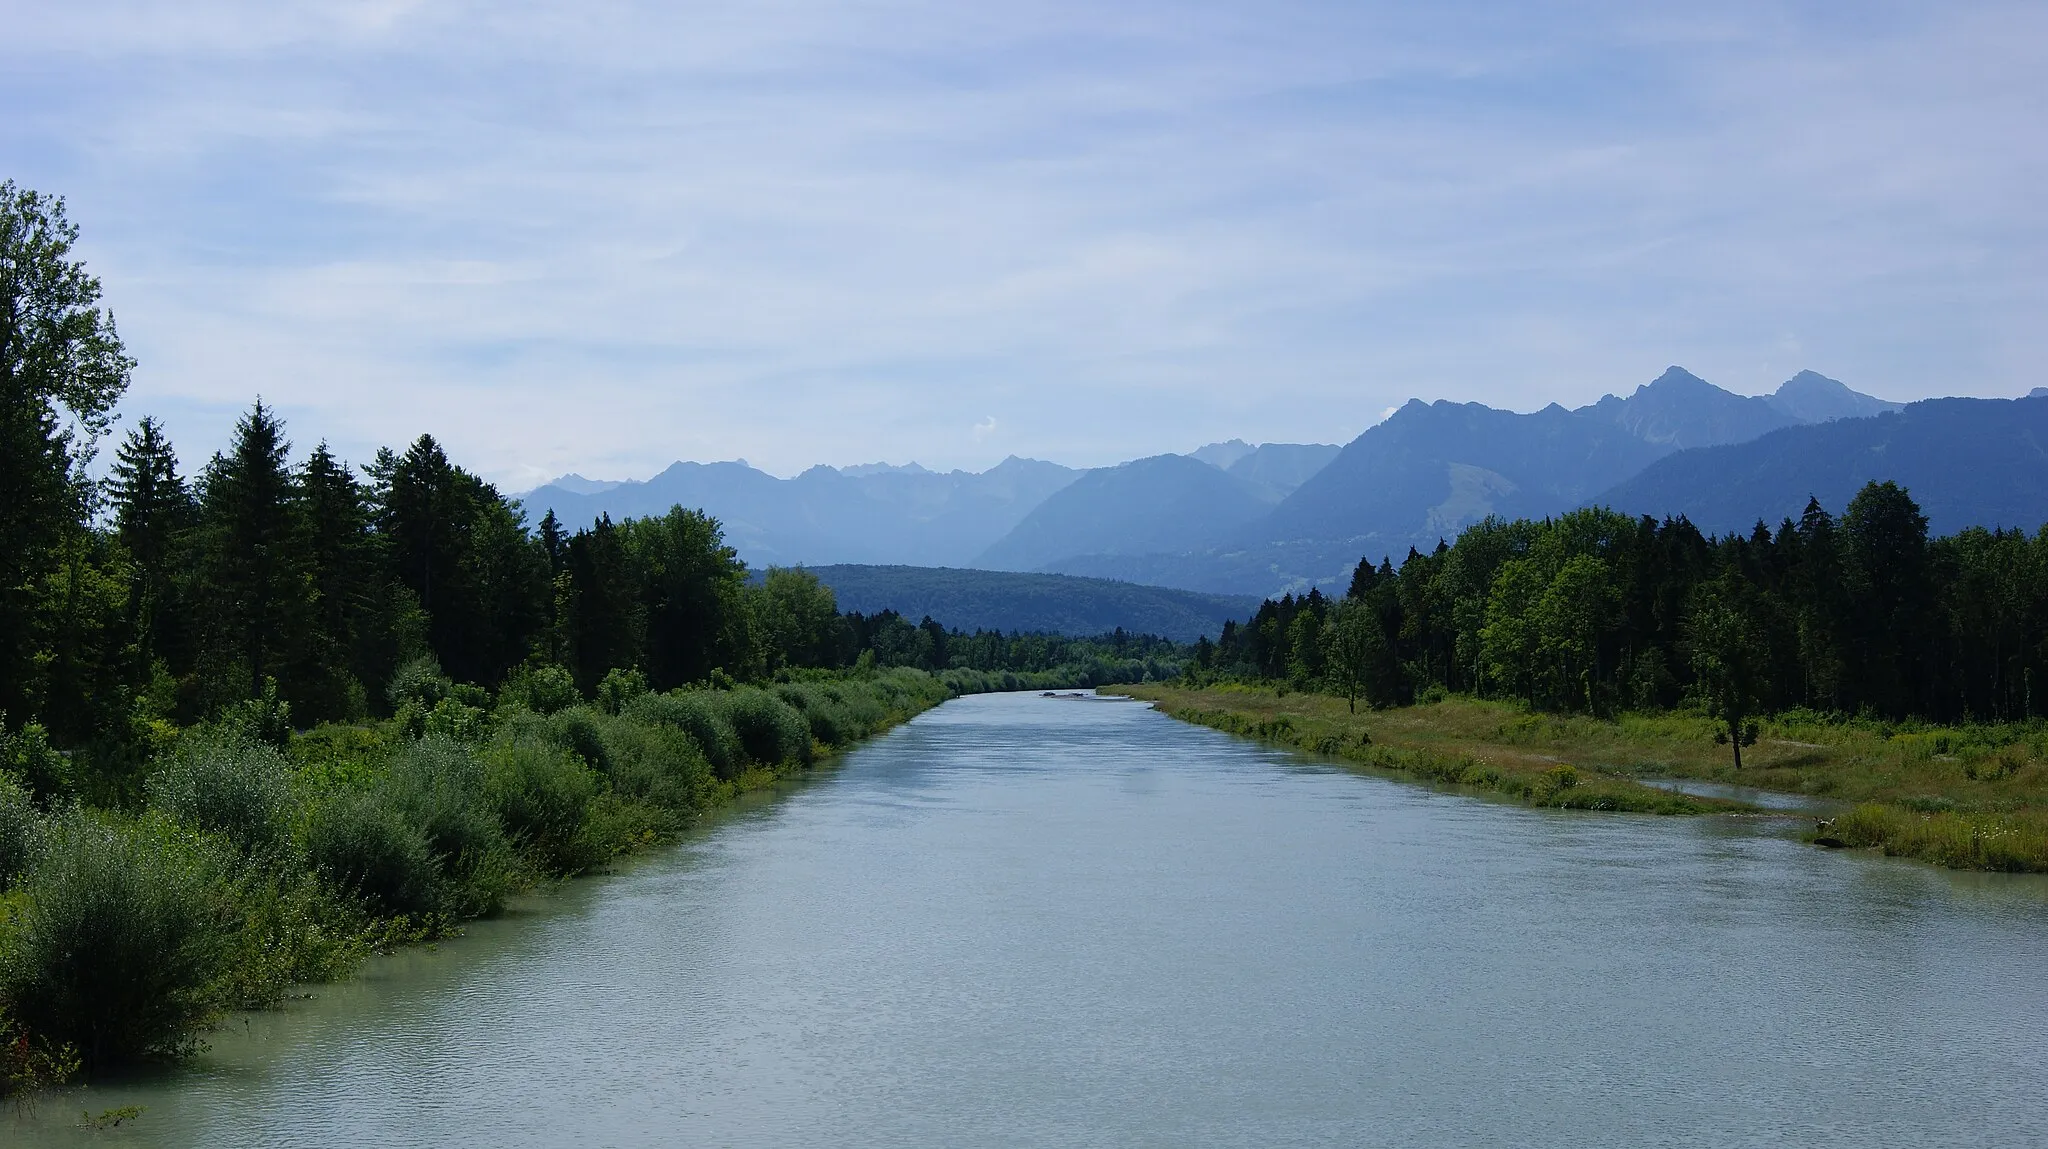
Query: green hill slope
x=1009 y=601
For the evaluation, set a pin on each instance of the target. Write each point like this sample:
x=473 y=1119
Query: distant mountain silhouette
x=1810 y=397
x=881 y=514
x=1432 y=469
x=1679 y=410
x=1967 y=462
x=1222 y=455
x=1032 y=603
x=1237 y=518
x=1284 y=466
x=1167 y=503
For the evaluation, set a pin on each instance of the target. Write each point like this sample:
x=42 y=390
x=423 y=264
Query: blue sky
x=604 y=236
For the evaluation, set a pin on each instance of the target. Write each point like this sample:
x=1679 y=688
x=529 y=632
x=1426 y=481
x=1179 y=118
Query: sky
x=604 y=236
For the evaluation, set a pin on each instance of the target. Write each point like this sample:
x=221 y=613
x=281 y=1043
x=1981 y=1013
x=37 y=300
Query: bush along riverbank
x=1967 y=797
x=262 y=860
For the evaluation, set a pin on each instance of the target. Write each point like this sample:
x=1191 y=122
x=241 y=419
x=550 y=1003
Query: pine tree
x=256 y=586
x=152 y=513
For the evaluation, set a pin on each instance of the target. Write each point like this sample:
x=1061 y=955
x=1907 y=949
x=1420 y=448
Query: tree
x=797 y=617
x=152 y=512
x=1884 y=540
x=62 y=369
x=257 y=590
x=1729 y=657
x=692 y=585
x=334 y=519
x=1352 y=643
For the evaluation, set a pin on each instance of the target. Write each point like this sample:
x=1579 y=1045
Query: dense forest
x=1597 y=612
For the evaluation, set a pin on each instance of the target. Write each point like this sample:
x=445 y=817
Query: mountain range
x=1235 y=518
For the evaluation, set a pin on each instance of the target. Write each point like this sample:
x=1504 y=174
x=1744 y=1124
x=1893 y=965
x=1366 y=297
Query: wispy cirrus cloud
x=601 y=237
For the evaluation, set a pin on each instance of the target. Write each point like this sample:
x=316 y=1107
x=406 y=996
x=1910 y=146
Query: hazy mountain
x=1222 y=455
x=1043 y=603
x=1679 y=410
x=1968 y=462
x=1167 y=503
x=881 y=514
x=576 y=484
x=1234 y=517
x=1810 y=397
x=1284 y=466
x=1432 y=469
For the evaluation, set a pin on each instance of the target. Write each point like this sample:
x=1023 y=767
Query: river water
x=1026 y=921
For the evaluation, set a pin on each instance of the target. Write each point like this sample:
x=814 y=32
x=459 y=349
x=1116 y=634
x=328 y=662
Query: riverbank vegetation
x=259 y=721
x=1854 y=658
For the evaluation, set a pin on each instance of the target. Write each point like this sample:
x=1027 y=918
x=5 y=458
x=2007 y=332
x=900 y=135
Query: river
x=1026 y=921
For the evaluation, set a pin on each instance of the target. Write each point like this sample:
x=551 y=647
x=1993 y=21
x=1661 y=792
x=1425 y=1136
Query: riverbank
x=1967 y=798
x=264 y=860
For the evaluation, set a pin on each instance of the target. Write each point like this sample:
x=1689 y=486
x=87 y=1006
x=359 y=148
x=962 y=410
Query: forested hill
x=1032 y=603
x=1968 y=462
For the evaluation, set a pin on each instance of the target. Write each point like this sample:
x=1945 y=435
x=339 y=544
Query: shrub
x=540 y=793
x=769 y=731
x=541 y=689
x=581 y=732
x=619 y=688
x=364 y=847
x=657 y=765
x=293 y=931
x=824 y=712
x=267 y=719
x=229 y=785
x=27 y=755
x=120 y=939
x=438 y=785
x=20 y=831
x=454 y=720
x=693 y=713
x=418 y=681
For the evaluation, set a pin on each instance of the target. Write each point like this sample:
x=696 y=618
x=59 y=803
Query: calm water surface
x=1019 y=921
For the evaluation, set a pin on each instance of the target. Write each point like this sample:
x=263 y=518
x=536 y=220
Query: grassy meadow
x=1967 y=797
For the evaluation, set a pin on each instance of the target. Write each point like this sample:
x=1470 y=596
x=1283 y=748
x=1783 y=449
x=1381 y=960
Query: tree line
x=151 y=598
x=1597 y=612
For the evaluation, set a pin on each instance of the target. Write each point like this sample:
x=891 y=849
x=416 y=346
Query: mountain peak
x=1222 y=455
x=1676 y=377
x=1811 y=397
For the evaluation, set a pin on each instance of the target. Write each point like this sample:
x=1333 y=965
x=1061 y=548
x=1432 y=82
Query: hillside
x=1164 y=504
x=1012 y=601
x=1968 y=462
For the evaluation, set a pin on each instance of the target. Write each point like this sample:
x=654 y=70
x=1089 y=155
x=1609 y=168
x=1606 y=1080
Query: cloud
x=601 y=237
x=984 y=429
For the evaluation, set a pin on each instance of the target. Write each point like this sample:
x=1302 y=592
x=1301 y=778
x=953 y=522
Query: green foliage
x=620 y=687
x=439 y=786
x=770 y=732
x=363 y=846
x=265 y=718
x=418 y=681
x=27 y=755
x=694 y=713
x=540 y=794
x=542 y=689
x=226 y=784
x=20 y=831
x=121 y=938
